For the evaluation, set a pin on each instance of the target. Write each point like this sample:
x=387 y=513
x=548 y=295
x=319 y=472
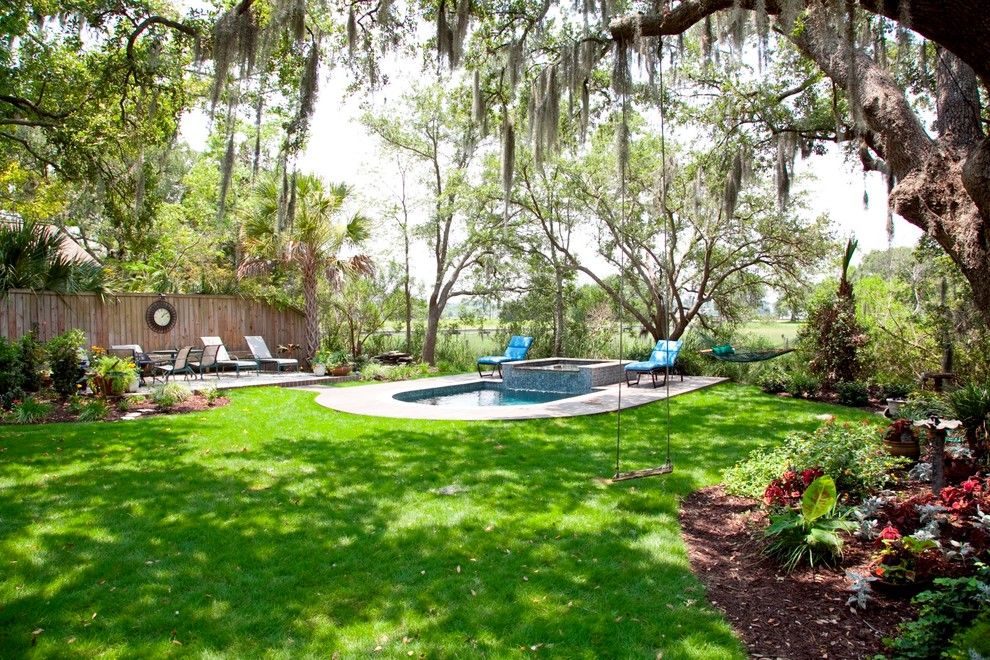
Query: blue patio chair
x=516 y=350
x=661 y=360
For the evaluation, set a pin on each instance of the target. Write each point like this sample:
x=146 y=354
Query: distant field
x=775 y=331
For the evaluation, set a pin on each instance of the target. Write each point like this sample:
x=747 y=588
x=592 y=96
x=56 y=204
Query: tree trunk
x=432 y=328
x=407 y=291
x=311 y=310
x=936 y=438
x=558 y=311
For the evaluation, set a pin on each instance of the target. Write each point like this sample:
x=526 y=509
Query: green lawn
x=776 y=332
x=274 y=527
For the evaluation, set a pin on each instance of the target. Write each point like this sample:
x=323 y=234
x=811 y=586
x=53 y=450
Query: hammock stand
x=746 y=356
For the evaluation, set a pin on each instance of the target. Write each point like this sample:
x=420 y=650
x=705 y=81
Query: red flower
x=972 y=485
x=890 y=533
x=809 y=475
x=790 y=475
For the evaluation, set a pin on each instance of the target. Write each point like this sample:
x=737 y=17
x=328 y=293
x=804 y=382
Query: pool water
x=478 y=394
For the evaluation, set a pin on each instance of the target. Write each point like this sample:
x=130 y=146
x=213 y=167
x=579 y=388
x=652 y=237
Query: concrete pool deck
x=376 y=400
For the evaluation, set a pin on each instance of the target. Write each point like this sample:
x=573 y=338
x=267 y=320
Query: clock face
x=160 y=316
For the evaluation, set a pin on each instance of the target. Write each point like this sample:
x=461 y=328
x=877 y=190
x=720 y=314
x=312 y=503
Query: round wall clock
x=160 y=315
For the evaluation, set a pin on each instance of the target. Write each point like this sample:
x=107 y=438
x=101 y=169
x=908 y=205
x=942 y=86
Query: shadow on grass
x=276 y=526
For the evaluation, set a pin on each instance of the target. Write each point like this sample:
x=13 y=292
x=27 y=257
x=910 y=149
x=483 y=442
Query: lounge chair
x=260 y=352
x=180 y=366
x=662 y=359
x=225 y=359
x=208 y=360
x=516 y=350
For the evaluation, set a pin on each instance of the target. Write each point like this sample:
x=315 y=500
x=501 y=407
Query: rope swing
x=623 y=146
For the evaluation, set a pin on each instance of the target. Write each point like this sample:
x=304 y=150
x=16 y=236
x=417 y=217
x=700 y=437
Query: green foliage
x=168 y=395
x=852 y=393
x=64 y=353
x=112 y=374
x=945 y=611
x=32 y=362
x=972 y=642
x=31 y=257
x=803 y=384
x=852 y=453
x=212 y=394
x=94 y=410
x=332 y=358
x=29 y=411
x=971 y=405
x=773 y=380
x=810 y=535
x=832 y=337
x=11 y=372
x=922 y=405
x=383 y=372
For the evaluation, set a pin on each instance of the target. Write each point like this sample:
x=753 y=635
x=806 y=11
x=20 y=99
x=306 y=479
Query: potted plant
x=320 y=363
x=339 y=363
x=900 y=439
x=111 y=375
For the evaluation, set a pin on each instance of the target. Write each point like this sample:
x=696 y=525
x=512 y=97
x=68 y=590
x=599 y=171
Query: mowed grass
x=274 y=527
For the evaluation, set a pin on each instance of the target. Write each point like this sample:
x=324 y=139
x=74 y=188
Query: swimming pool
x=479 y=394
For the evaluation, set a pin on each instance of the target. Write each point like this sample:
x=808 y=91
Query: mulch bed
x=801 y=615
x=195 y=403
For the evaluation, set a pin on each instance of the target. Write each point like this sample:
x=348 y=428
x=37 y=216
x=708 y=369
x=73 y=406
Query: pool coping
x=375 y=400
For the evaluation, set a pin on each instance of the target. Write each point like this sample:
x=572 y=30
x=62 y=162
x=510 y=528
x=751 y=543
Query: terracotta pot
x=909 y=449
x=341 y=370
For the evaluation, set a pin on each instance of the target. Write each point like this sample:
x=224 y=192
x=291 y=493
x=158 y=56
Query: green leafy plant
x=29 y=411
x=94 y=410
x=773 y=380
x=74 y=404
x=895 y=390
x=64 y=359
x=802 y=384
x=972 y=642
x=32 y=357
x=944 y=611
x=852 y=393
x=812 y=534
x=128 y=403
x=922 y=405
x=904 y=559
x=853 y=453
x=211 y=394
x=11 y=373
x=112 y=374
x=971 y=405
x=169 y=395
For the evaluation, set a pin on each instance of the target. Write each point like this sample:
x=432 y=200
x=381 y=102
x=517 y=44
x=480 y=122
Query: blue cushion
x=518 y=347
x=644 y=366
x=493 y=359
x=664 y=354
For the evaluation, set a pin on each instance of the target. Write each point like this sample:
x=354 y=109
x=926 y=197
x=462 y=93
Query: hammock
x=727 y=353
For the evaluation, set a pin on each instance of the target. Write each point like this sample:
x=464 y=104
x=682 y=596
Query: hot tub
x=562 y=375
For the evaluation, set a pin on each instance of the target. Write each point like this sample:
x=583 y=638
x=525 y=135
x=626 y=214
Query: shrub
x=895 y=390
x=64 y=361
x=972 y=642
x=852 y=453
x=32 y=361
x=773 y=380
x=74 y=404
x=811 y=534
x=383 y=372
x=94 y=410
x=29 y=411
x=211 y=394
x=905 y=559
x=168 y=395
x=971 y=406
x=921 y=405
x=803 y=385
x=852 y=393
x=947 y=609
x=11 y=372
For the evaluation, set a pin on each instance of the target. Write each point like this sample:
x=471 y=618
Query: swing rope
x=668 y=465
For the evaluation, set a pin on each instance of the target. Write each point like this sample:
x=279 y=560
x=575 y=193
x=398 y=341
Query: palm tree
x=31 y=257
x=310 y=242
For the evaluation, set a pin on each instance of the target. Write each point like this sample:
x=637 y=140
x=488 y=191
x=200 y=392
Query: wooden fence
x=121 y=319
